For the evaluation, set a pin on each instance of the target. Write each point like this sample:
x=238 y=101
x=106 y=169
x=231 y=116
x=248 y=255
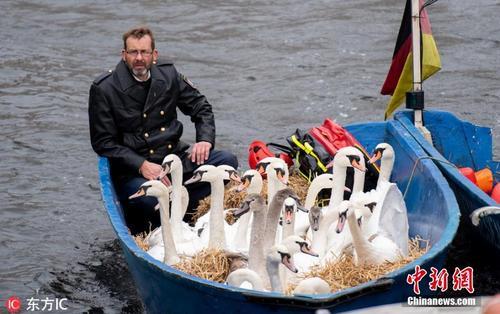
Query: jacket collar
x=127 y=83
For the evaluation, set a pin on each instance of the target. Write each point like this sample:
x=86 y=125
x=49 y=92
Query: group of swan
x=377 y=220
x=176 y=236
x=263 y=263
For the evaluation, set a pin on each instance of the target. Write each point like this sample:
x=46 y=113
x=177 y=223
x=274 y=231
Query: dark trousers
x=140 y=214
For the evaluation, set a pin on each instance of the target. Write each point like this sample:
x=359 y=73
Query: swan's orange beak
x=341 y=221
x=245 y=182
x=306 y=249
x=139 y=193
x=288 y=214
x=329 y=165
x=286 y=260
x=196 y=178
x=243 y=209
x=235 y=177
x=261 y=168
x=280 y=174
x=165 y=169
x=358 y=166
x=375 y=157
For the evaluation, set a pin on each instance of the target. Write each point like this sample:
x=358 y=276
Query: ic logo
x=13 y=304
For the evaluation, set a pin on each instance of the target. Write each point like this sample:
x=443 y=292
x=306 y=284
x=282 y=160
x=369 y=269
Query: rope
x=415 y=167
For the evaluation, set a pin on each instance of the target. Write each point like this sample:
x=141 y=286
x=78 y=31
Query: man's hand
x=150 y=170
x=200 y=152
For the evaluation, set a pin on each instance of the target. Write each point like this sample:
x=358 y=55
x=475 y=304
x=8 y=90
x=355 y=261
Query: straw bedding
x=344 y=274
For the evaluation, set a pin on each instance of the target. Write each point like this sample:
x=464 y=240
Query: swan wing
x=154 y=237
x=393 y=221
x=157 y=252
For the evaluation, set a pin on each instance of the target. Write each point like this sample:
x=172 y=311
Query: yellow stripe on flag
x=431 y=63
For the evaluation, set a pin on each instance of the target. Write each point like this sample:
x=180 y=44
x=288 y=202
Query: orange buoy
x=493 y=305
x=469 y=174
x=495 y=194
x=484 y=180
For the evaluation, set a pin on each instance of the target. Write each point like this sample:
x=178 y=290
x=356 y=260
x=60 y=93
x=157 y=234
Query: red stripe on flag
x=398 y=62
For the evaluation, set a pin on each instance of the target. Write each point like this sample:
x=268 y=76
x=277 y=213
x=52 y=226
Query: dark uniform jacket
x=129 y=131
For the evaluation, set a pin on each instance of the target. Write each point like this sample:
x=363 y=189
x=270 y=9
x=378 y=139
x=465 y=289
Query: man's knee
x=226 y=158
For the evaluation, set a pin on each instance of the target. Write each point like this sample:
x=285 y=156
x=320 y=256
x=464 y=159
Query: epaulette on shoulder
x=101 y=77
x=164 y=62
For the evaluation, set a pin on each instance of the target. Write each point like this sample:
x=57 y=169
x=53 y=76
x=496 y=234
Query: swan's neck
x=242 y=229
x=217 y=237
x=177 y=209
x=256 y=256
x=359 y=181
x=288 y=229
x=320 y=237
x=339 y=176
x=361 y=244
x=274 y=277
x=271 y=189
x=312 y=193
x=255 y=186
x=273 y=216
x=170 y=252
x=247 y=276
x=386 y=165
x=240 y=237
x=274 y=185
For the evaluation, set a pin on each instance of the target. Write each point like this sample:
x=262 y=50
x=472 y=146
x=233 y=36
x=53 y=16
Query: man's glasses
x=135 y=53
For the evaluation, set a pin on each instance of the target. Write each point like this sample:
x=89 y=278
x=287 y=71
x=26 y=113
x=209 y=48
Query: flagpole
x=415 y=98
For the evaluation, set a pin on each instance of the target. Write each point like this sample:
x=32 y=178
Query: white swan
x=320 y=237
x=375 y=251
x=385 y=153
x=390 y=216
x=245 y=278
x=172 y=164
x=283 y=253
x=288 y=214
x=279 y=254
x=315 y=216
x=277 y=175
x=249 y=279
x=161 y=192
x=254 y=204
x=323 y=181
x=273 y=215
x=251 y=182
x=346 y=157
x=313 y=285
x=215 y=176
x=180 y=198
x=228 y=173
x=231 y=173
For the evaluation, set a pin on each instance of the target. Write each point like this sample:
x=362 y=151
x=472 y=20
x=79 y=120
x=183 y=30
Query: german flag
x=399 y=80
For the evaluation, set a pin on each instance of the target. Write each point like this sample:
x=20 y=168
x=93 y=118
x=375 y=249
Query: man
x=133 y=122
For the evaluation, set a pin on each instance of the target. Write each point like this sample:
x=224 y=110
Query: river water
x=267 y=67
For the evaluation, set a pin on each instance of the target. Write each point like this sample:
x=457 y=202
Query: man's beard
x=140 y=72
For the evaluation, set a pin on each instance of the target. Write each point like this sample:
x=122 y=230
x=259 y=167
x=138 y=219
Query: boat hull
x=433 y=214
x=464 y=145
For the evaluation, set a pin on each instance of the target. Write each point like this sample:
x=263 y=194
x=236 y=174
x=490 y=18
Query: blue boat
x=462 y=144
x=433 y=214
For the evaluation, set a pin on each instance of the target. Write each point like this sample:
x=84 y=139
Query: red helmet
x=258 y=150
